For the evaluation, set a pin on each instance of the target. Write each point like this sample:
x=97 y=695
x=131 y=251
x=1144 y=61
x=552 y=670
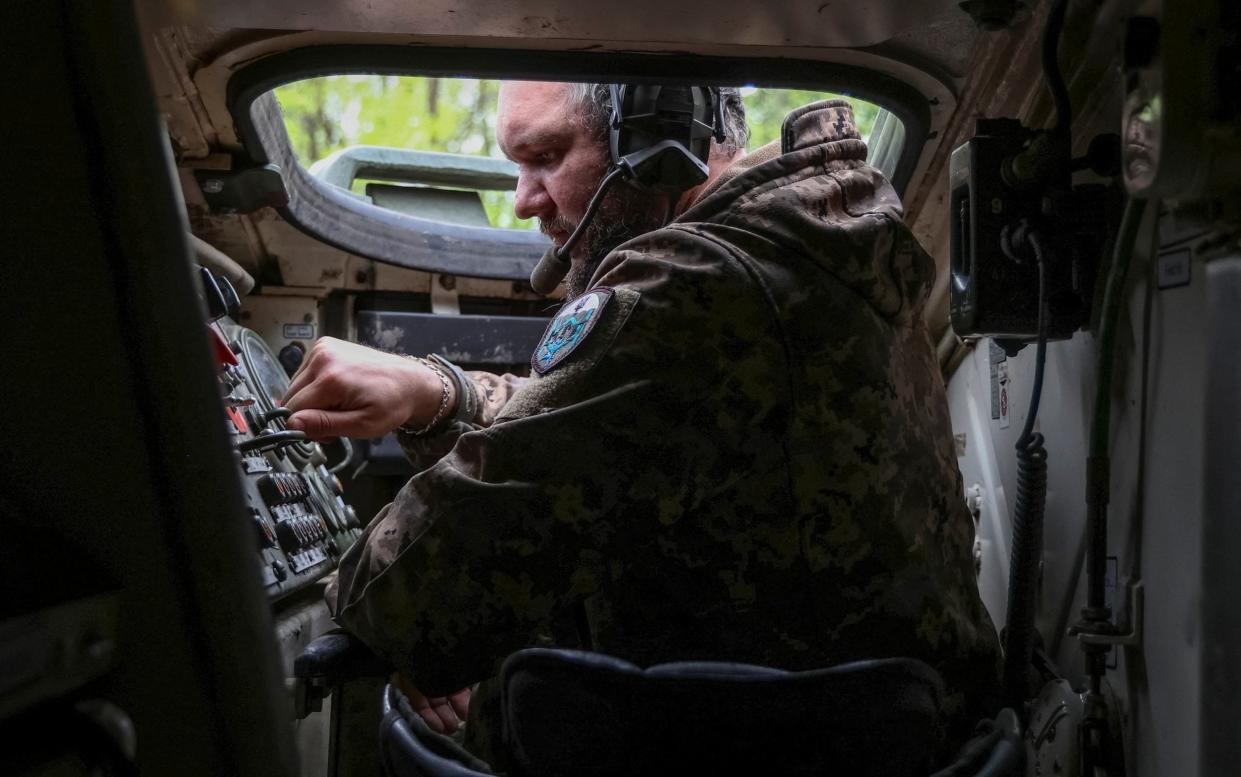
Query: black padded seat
x=572 y=714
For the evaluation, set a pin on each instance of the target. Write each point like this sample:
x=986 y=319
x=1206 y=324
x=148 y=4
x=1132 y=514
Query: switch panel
x=302 y=524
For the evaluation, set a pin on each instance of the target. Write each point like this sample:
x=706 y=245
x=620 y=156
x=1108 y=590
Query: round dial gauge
x=265 y=368
x=270 y=382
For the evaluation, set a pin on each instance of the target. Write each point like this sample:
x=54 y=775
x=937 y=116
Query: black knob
x=217 y=307
x=283 y=487
x=291 y=357
x=232 y=302
x=279 y=571
x=290 y=537
x=266 y=538
x=271 y=490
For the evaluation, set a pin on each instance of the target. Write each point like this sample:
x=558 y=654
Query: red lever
x=223 y=354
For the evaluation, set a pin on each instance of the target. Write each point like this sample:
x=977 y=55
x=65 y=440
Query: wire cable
x=555 y=264
x=1139 y=510
x=1051 y=67
x=1027 y=539
x=1122 y=253
x=1095 y=614
x=613 y=175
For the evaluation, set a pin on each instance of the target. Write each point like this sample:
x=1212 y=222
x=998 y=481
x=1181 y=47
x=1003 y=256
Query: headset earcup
x=667 y=165
x=656 y=133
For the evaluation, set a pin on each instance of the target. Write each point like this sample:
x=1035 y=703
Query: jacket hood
x=814 y=196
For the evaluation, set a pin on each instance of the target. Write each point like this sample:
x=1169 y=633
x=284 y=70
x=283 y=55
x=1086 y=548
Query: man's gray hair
x=594 y=105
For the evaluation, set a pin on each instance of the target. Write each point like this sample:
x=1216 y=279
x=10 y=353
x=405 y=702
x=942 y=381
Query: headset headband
x=661 y=135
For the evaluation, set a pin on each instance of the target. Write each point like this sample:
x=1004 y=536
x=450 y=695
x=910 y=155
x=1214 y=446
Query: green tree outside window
x=457 y=115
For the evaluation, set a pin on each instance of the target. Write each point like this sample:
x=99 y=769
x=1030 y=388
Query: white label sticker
x=1173 y=269
x=1001 y=377
x=1004 y=405
x=997 y=358
x=299 y=331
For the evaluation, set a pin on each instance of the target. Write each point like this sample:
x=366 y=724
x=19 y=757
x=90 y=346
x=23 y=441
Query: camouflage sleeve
x=487 y=550
x=480 y=395
x=492 y=393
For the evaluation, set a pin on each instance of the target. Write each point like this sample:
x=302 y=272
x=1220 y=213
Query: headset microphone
x=549 y=272
x=660 y=138
x=555 y=264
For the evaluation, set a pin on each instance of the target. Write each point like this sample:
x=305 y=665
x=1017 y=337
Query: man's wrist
x=465 y=401
x=435 y=398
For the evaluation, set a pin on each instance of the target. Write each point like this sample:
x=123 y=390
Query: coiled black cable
x=1027 y=539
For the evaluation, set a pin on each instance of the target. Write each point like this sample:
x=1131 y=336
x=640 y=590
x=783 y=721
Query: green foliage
x=436 y=114
x=765 y=110
x=327 y=114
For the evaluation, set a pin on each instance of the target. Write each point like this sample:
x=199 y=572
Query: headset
x=660 y=139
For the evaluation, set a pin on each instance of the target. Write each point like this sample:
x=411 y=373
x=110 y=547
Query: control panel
x=301 y=522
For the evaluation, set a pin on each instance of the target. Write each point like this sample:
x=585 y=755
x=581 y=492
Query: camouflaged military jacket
x=738 y=449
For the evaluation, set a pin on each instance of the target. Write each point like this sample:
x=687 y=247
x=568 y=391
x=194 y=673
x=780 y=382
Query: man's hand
x=445 y=714
x=347 y=390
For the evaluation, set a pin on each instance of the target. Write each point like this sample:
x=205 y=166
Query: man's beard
x=625 y=213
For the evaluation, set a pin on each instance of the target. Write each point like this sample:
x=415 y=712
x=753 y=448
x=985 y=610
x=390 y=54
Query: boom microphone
x=555 y=264
x=549 y=272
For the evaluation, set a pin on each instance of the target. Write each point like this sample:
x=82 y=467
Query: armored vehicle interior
x=200 y=189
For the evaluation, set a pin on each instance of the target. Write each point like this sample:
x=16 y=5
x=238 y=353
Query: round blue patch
x=569 y=328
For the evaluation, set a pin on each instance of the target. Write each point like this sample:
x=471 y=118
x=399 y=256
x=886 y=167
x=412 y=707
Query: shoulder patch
x=569 y=329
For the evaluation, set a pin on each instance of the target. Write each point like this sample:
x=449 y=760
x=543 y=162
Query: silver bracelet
x=445 y=395
x=468 y=400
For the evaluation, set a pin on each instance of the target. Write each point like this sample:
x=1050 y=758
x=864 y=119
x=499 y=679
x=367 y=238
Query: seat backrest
x=128 y=556
x=570 y=713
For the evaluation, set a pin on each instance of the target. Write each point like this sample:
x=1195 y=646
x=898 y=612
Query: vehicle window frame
x=335 y=217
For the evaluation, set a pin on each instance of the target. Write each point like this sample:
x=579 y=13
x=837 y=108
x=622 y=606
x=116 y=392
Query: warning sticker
x=999 y=385
x=1173 y=269
x=1003 y=381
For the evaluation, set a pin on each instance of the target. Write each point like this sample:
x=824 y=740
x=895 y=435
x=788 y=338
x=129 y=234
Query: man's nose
x=532 y=198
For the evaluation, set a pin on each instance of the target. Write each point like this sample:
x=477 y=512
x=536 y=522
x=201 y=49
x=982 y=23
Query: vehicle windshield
x=386 y=139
